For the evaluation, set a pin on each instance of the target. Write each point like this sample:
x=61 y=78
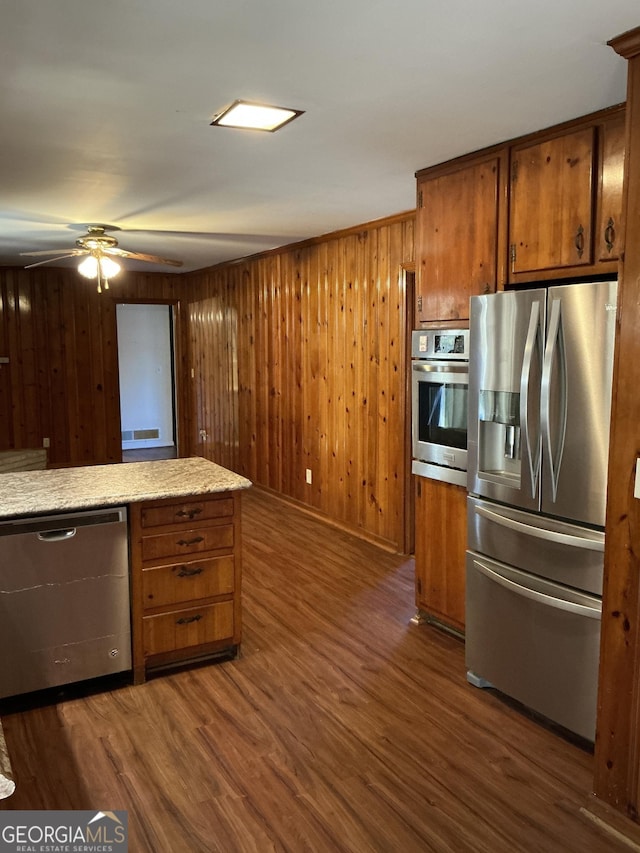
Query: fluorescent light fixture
x=254 y=116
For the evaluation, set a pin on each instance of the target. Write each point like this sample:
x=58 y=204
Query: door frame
x=180 y=384
x=408 y=273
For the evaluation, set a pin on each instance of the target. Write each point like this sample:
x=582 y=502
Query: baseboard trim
x=385 y=544
x=612 y=822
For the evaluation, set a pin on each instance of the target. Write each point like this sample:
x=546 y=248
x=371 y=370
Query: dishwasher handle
x=57 y=535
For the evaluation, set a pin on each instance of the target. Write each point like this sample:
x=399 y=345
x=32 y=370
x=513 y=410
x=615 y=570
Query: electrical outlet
x=46 y=442
x=308 y=476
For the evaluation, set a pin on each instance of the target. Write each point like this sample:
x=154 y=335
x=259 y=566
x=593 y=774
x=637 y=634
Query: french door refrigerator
x=540 y=371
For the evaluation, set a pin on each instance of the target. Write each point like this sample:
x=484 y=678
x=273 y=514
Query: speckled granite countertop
x=7 y=785
x=62 y=489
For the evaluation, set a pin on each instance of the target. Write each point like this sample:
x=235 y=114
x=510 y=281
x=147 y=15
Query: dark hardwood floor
x=148 y=454
x=341 y=727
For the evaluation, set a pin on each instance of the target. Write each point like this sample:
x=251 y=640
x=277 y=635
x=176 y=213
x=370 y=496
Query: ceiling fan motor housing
x=95 y=238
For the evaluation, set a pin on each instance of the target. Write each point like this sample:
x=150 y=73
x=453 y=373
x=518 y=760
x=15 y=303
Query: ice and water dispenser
x=499 y=435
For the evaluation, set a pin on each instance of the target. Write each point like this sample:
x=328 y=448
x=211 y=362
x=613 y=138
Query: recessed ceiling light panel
x=246 y=114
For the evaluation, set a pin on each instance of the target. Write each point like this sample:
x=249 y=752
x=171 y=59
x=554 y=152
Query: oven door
x=439 y=413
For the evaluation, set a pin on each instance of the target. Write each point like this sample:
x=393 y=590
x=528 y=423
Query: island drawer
x=186 y=511
x=187 y=541
x=182 y=629
x=188 y=581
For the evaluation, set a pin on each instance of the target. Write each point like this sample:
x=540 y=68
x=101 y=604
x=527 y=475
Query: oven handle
x=454 y=374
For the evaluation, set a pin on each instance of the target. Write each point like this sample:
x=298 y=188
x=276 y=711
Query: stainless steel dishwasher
x=64 y=599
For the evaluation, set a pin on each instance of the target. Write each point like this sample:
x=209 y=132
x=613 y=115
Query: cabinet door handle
x=186 y=620
x=189 y=573
x=193 y=541
x=189 y=513
x=610 y=235
x=579 y=241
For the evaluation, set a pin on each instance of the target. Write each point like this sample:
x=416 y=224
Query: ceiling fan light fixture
x=101 y=267
x=89 y=267
x=108 y=267
x=98 y=247
x=254 y=116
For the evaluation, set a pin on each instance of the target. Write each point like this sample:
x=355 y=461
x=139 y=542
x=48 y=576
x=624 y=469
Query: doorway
x=147 y=381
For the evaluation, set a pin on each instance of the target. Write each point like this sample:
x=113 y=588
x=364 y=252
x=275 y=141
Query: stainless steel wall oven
x=439 y=388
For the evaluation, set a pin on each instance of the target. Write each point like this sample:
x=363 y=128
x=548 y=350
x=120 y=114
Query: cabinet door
x=551 y=203
x=456 y=239
x=441 y=538
x=609 y=230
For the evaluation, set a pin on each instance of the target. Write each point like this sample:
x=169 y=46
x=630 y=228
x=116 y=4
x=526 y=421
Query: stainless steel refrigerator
x=540 y=371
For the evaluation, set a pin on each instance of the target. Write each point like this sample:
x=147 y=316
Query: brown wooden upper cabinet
x=551 y=202
x=565 y=197
x=609 y=228
x=545 y=206
x=456 y=237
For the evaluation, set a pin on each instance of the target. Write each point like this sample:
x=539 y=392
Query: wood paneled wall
x=61 y=381
x=321 y=372
x=213 y=372
x=287 y=361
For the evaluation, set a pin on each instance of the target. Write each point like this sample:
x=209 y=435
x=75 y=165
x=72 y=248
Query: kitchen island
x=7 y=784
x=60 y=489
x=184 y=547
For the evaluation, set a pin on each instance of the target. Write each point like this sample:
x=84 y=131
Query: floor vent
x=139 y=434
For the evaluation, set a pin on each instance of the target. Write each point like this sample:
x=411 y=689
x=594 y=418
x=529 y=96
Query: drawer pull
x=189 y=513
x=193 y=541
x=186 y=620
x=189 y=573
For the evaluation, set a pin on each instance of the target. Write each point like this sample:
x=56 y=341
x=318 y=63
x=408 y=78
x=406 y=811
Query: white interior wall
x=145 y=362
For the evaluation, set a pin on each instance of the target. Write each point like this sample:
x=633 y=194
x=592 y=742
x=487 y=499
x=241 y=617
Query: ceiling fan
x=99 y=249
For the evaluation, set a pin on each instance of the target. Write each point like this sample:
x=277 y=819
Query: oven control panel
x=446 y=344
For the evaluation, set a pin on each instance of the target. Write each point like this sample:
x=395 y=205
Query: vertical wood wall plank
x=320 y=372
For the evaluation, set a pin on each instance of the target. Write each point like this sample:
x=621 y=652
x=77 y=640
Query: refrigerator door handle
x=592 y=612
x=595 y=544
x=533 y=460
x=554 y=346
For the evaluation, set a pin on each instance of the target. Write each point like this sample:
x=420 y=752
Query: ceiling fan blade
x=67 y=253
x=51 y=260
x=207 y=235
x=139 y=256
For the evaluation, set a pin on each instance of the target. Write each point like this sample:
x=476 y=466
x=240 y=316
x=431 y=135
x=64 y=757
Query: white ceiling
x=105 y=110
